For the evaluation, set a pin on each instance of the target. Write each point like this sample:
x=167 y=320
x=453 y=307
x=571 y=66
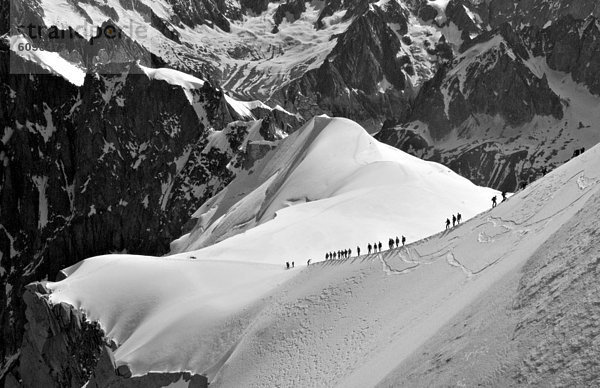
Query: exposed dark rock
x=291 y=10
x=124 y=371
x=210 y=12
x=405 y=139
x=458 y=13
x=427 y=12
x=61 y=348
x=571 y=46
x=256 y=6
x=164 y=27
x=539 y=12
x=497 y=83
x=363 y=77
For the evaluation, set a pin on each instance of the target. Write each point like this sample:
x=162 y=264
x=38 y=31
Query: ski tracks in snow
x=503 y=224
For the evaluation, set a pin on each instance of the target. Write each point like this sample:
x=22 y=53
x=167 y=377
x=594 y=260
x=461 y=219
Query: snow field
x=328 y=186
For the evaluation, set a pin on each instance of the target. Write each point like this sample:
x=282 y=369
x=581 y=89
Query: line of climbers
x=456 y=219
x=392 y=243
x=371 y=248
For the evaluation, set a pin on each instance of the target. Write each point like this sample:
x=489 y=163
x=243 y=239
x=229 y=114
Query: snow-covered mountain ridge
x=116 y=150
x=306 y=197
x=360 y=321
x=309 y=197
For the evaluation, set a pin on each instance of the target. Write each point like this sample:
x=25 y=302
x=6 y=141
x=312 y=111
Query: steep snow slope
x=343 y=323
x=329 y=186
x=351 y=323
x=500 y=115
x=184 y=312
x=537 y=326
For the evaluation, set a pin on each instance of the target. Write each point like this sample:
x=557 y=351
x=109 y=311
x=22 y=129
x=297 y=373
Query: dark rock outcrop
x=495 y=82
x=570 y=46
x=210 y=12
x=489 y=80
x=291 y=10
x=61 y=348
x=362 y=78
x=539 y=12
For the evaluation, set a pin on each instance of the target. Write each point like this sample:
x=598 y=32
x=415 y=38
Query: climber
x=458 y=218
x=369 y=248
x=287 y=264
x=292 y=264
x=397 y=241
x=326 y=256
x=380 y=246
x=503 y=196
x=403 y=240
x=453 y=220
x=308 y=263
x=357 y=251
x=447 y=223
x=494 y=201
x=391 y=243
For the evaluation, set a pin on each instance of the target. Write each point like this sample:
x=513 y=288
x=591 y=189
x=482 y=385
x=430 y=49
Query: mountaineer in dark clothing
x=447 y=223
x=391 y=243
x=503 y=196
x=453 y=220
x=369 y=248
x=458 y=218
x=357 y=251
x=403 y=240
x=397 y=241
x=287 y=264
x=380 y=246
x=493 y=201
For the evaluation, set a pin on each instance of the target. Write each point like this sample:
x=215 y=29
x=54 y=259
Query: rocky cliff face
x=61 y=348
x=505 y=109
x=118 y=164
x=498 y=82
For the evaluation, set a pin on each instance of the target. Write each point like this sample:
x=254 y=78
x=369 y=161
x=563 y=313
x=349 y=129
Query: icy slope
x=329 y=186
x=352 y=323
